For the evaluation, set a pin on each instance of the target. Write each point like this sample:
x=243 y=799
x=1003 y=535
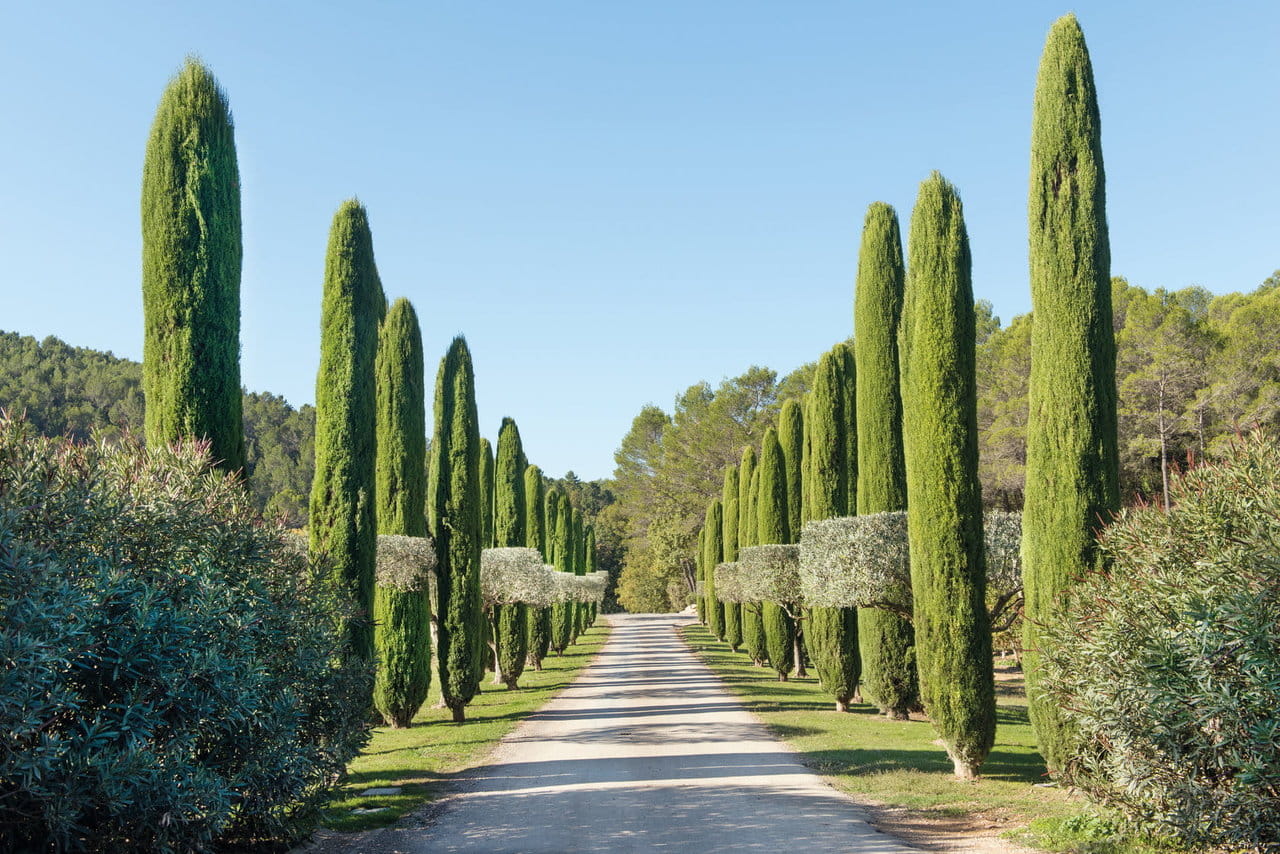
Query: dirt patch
x=934 y=830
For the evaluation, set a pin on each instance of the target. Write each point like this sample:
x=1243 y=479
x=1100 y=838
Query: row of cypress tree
x=891 y=424
x=372 y=471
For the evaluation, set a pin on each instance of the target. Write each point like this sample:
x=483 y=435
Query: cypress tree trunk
x=731 y=620
x=1072 y=465
x=832 y=632
x=944 y=498
x=455 y=517
x=510 y=514
x=343 y=526
x=539 y=619
x=887 y=639
x=191 y=255
x=562 y=559
x=402 y=631
x=773 y=526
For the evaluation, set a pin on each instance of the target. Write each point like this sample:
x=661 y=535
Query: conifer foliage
x=1072 y=463
x=944 y=501
x=831 y=633
x=773 y=527
x=537 y=509
x=712 y=554
x=510 y=514
x=887 y=639
x=732 y=611
x=402 y=633
x=455 y=522
x=191 y=256
x=342 y=524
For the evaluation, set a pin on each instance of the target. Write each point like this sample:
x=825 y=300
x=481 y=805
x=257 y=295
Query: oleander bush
x=174 y=673
x=1167 y=665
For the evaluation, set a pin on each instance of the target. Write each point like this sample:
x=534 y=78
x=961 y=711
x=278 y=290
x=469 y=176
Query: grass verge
x=900 y=764
x=428 y=755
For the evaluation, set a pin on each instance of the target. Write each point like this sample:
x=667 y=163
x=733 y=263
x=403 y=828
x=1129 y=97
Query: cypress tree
x=712 y=554
x=887 y=639
x=749 y=613
x=510 y=513
x=402 y=632
x=753 y=631
x=832 y=633
x=791 y=439
x=191 y=256
x=591 y=564
x=849 y=425
x=539 y=618
x=944 y=498
x=1072 y=464
x=562 y=558
x=577 y=541
x=773 y=526
x=455 y=514
x=732 y=620
x=487 y=496
x=700 y=575
x=343 y=526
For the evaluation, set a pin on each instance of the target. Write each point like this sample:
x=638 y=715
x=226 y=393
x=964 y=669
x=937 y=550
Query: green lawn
x=427 y=755
x=899 y=763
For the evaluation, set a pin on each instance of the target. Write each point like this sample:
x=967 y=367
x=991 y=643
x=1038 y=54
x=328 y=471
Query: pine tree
x=562 y=558
x=832 y=633
x=773 y=526
x=511 y=622
x=343 y=526
x=402 y=632
x=455 y=514
x=732 y=619
x=944 y=498
x=1072 y=462
x=539 y=619
x=191 y=255
x=887 y=639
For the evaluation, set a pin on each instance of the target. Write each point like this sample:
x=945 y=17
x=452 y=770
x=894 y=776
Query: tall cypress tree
x=487 y=493
x=539 y=619
x=402 y=632
x=832 y=633
x=773 y=526
x=849 y=424
x=749 y=613
x=712 y=554
x=732 y=617
x=510 y=515
x=944 y=498
x=455 y=518
x=191 y=256
x=791 y=439
x=1072 y=465
x=562 y=558
x=887 y=639
x=590 y=564
x=700 y=575
x=577 y=542
x=343 y=526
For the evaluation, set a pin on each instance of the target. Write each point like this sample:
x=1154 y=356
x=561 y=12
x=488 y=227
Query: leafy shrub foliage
x=173 y=673
x=1167 y=666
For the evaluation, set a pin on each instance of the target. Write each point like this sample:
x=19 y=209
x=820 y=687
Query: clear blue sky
x=615 y=200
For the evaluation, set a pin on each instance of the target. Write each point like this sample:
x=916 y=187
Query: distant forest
x=76 y=391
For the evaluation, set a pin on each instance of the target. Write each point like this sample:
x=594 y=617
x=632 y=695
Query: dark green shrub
x=174 y=672
x=1167 y=665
